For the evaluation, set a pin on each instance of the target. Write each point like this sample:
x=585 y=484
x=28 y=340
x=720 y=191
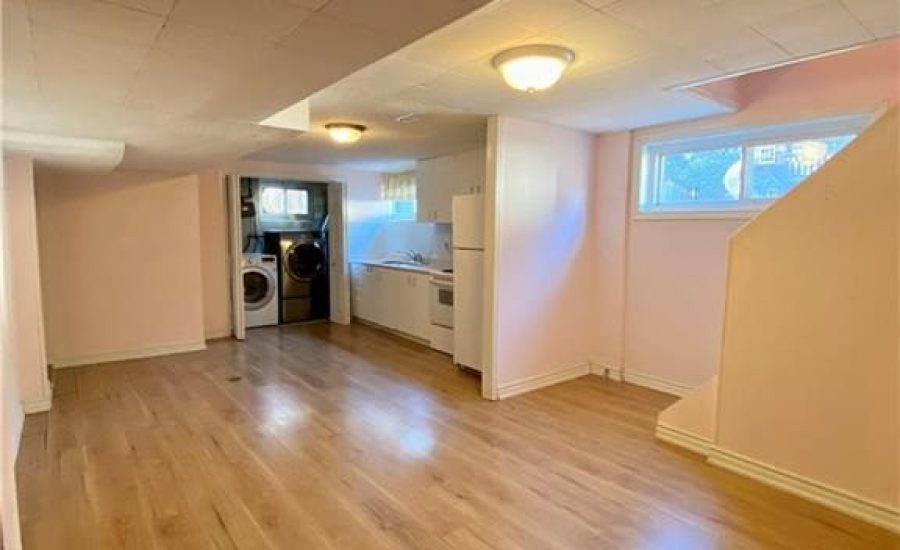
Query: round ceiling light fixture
x=345 y=132
x=533 y=68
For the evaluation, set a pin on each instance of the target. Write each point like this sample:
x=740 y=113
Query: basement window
x=736 y=172
x=277 y=201
x=398 y=191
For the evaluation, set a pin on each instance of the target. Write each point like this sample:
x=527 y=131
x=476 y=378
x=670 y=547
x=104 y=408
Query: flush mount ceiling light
x=533 y=68
x=345 y=132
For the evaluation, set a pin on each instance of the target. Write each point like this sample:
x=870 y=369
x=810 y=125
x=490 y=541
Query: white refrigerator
x=468 y=279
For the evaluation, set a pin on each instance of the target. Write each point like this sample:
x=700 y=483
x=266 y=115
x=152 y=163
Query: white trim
x=218 y=334
x=684 y=439
x=538 y=381
x=613 y=373
x=843 y=501
x=648 y=148
x=124 y=355
x=37 y=405
x=656 y=383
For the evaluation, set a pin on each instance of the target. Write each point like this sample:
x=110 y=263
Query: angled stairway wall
x=808 y=396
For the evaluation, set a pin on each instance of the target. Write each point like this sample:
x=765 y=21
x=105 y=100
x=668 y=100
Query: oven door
x=441 y=303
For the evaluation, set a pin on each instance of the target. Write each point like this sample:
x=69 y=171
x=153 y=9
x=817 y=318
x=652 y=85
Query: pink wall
x=810 y=343
x=214 y=254
x=610 y=214
x=121 y=265
x=543 y=272
x=10 y=409
x=675 y=269
x=25 y=284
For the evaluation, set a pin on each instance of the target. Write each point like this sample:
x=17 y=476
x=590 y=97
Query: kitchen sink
x=403 y=262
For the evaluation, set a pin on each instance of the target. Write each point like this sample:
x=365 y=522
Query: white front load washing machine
x=260 y=290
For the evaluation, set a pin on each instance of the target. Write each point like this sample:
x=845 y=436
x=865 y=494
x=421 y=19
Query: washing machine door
x=304 y=261
x=259 y=288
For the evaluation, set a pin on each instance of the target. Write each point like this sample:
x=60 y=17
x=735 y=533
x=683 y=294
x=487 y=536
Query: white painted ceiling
x=182 y=82
x=630 y=53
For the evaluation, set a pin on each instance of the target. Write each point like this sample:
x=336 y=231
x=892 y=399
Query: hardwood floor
x=343 y=437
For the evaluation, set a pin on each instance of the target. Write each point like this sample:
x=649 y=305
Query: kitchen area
x=431 y=294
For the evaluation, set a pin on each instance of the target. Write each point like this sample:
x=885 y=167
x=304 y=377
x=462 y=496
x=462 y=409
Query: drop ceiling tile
x=601 y=42
x=265 y=20
x=159 y=7
x=537 y=15
x=102 y=20
x=814 y=29
x=411 y=18
x=735 y=49
x=466 y=39
x=653 y=15
x=380 y=79
x=220 y=48
x=751 y=12
x=175 y=84
x=19 y=73
x=58 y=46
x=880 y=17
x=79 y=65
x=296 y=68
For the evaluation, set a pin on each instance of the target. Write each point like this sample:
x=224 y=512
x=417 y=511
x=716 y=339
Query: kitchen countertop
x=427 y=269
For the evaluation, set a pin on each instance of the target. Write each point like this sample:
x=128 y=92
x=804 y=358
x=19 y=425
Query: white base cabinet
x=393 y=298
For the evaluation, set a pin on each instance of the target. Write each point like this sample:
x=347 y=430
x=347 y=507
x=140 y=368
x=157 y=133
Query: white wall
x=11 y=416
x=542 y=277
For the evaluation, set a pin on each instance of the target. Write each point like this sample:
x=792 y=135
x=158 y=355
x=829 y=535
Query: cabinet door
x=357 y=276
x=393 y=289
x=469 y=169
x=365 y=293
x=419 y=321
x=428 y=183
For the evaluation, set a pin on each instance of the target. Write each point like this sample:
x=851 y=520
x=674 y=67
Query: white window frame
x=652 y=149
x=284 y=214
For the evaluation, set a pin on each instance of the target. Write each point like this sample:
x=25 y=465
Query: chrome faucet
x=415 y=257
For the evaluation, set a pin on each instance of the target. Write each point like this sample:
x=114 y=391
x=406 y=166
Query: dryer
x=302 y=273
x=260 y=273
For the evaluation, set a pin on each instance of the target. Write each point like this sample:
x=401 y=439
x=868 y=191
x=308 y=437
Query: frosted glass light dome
x=344 y=132
x=533 y=68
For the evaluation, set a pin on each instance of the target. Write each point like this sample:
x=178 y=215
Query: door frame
x=338 y=262
x=236 y=256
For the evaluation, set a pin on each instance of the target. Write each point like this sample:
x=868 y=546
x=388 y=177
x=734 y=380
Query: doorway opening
x=287 y=240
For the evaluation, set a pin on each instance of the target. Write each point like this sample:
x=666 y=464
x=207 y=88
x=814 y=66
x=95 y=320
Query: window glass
x=774 y=169
x=712 y=175
x=403 y=210
x=272 y=199
x=297 y=202
x=737 y=170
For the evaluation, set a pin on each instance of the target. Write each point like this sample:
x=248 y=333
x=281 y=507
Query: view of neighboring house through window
x=398 y=190
x=737 y=171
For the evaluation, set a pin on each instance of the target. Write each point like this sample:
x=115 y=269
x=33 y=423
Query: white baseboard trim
x=613 y=373
x=681 y=438
x=218 y=334
x=848 y=503
x=37 y=405
x=656 y=383
x=532 y=383
x=124 y=355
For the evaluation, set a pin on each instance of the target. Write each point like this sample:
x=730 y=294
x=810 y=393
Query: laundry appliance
x=260 y=274
x=302 y=274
